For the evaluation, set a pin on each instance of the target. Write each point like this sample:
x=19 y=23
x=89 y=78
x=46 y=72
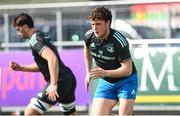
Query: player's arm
x=123 y=71
x=53 y=66
x=88 y=63
x=87 y=59
x=26 y=68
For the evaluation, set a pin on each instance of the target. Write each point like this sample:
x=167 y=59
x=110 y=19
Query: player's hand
x=14 y=66
x=87 y=81
x=52 y=92
x=97 y=73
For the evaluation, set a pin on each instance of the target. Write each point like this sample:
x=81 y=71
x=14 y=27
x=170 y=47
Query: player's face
x=100 y=28
x=22 y=31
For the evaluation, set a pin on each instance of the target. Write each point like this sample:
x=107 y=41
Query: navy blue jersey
x=110 y=52
x=38 y=42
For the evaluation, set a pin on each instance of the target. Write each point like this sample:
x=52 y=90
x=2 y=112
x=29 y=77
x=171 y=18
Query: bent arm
x=30 y=68
x=88 y=59
x=26 y=68
x=88 y=63
x=53 y=64
x=124 y=70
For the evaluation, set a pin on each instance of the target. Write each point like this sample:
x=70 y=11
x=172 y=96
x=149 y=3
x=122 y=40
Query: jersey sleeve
x=124 y=54
x=37 y=44
x=87 y=37
x=122 y=47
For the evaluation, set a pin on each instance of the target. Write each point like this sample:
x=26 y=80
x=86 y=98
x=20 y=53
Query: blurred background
x=152 y=28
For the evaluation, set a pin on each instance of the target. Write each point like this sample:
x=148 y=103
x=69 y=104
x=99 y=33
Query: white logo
x=100 y=51
x=133 y=92
x=40 y=94
x=110 y=48
x=92 y=45
x=46 y=36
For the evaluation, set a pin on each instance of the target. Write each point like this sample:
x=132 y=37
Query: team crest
x=110 y=48
x=92 y=45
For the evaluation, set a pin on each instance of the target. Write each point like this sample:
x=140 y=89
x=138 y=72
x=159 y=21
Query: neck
x=31 y=31
x=105 y=34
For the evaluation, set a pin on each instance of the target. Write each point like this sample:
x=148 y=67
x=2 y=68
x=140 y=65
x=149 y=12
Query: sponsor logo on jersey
x=92 y=45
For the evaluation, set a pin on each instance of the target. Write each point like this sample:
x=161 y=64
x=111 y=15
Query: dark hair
x=23 y=19
x=100 y=13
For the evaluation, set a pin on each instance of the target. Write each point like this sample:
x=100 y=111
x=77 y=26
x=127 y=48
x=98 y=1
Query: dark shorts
x=66 y=91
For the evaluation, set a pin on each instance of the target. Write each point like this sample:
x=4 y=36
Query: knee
x=36 y=107
x=26 y=112
x=30 y=111
x=126 y=112
x=68 y=109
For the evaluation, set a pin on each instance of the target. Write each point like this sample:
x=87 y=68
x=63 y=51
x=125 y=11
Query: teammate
x=61 y=82
x=115 y=68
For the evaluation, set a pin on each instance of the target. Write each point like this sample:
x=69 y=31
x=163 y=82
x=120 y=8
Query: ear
x=108 y=23
x=26 y=27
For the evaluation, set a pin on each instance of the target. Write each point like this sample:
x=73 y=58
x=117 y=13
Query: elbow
x=129 y=71
x=52 y=60
x=55 y=60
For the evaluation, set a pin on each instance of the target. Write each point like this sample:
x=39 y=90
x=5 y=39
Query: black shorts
x=66 y=91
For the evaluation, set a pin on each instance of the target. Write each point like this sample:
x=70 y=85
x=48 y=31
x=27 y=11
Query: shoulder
x=120 y=39
x=89 y=33
x=88 y=36
x=41 y=36
x=37 y=37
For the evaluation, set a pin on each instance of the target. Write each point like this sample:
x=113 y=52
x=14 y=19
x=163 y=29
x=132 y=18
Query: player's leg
x=36 y=107
x=126 y=106
x=30 y=111
x=127 y=90
x=102 y=106
x=67 y=96
x=105 y=98
x=68 y=108
x=40 y=104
